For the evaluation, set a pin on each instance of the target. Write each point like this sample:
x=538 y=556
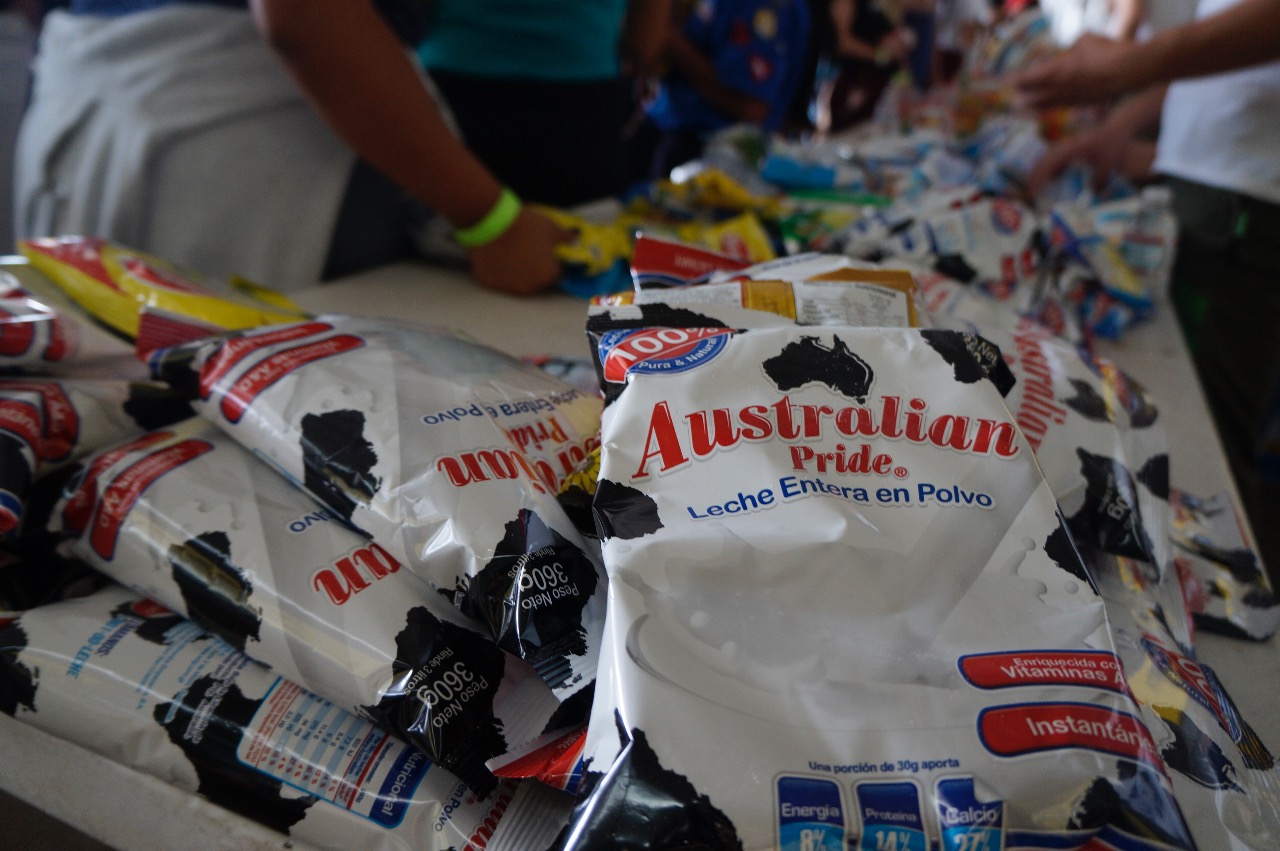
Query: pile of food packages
x=850 y=540
x=937 y=183
x=1086 y=264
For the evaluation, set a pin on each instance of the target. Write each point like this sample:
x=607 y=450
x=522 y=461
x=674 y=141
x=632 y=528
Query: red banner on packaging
x=119 y=497
x=1025 y=728
x=78 y=509
x=250 y=385
x=1086 y=668
x=17 y=333
x=23 y=421
x=61 y=429
x=236 y=349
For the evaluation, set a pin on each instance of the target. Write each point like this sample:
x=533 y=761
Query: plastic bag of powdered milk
x=447 y=453
x=189 y=518
x=1235 y=596
x=43 y=334
x=1098 y=440
x=124 y=677
x=48 y=423
x=834 y=544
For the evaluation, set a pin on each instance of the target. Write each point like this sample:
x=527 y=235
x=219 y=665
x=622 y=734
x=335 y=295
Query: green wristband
x=494 y=224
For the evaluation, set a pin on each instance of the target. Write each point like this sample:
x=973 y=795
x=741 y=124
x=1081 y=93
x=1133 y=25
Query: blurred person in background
x=865 y=46
x=289 y=141
x=1211 y=88
x=1005 y=10
x=801 y=115
x=920 y=18
x=542 y=89
x=957 y=26
x=725 y=62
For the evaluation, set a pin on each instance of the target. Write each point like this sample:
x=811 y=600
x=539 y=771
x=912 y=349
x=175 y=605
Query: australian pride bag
x=1098 y=439
x=834 y=564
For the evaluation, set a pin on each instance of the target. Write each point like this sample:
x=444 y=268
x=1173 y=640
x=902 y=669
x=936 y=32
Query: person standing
x=1212 y=87
x=284 y=140
x=541 y=90
x=865 y=49
x=728 y=62
x=957 y=26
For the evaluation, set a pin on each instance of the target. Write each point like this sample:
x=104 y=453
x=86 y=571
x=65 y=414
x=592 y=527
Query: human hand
x=1092 y=70
x=897 y=45
x=1102 y=149
x=523 y=260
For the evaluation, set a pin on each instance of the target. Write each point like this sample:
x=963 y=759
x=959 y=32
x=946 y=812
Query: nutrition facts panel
x=310 y=744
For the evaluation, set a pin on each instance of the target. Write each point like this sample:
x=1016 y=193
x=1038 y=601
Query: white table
x=128 y=810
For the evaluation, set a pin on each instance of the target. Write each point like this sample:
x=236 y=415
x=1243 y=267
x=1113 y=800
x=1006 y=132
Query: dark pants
x=553 y=142
x=1226 y=290
x=373 y=226
x=920 y=62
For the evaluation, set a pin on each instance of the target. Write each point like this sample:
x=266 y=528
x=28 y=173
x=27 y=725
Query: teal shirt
x=530 y=39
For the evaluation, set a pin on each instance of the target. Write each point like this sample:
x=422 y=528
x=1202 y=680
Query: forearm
x=1139 y=113
x=1245 y=34
x=849 y=46
x=645 y=32
x=359 y=78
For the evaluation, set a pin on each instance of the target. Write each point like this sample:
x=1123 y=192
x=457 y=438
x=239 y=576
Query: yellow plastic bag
x=596 y=247
x=115 y=284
